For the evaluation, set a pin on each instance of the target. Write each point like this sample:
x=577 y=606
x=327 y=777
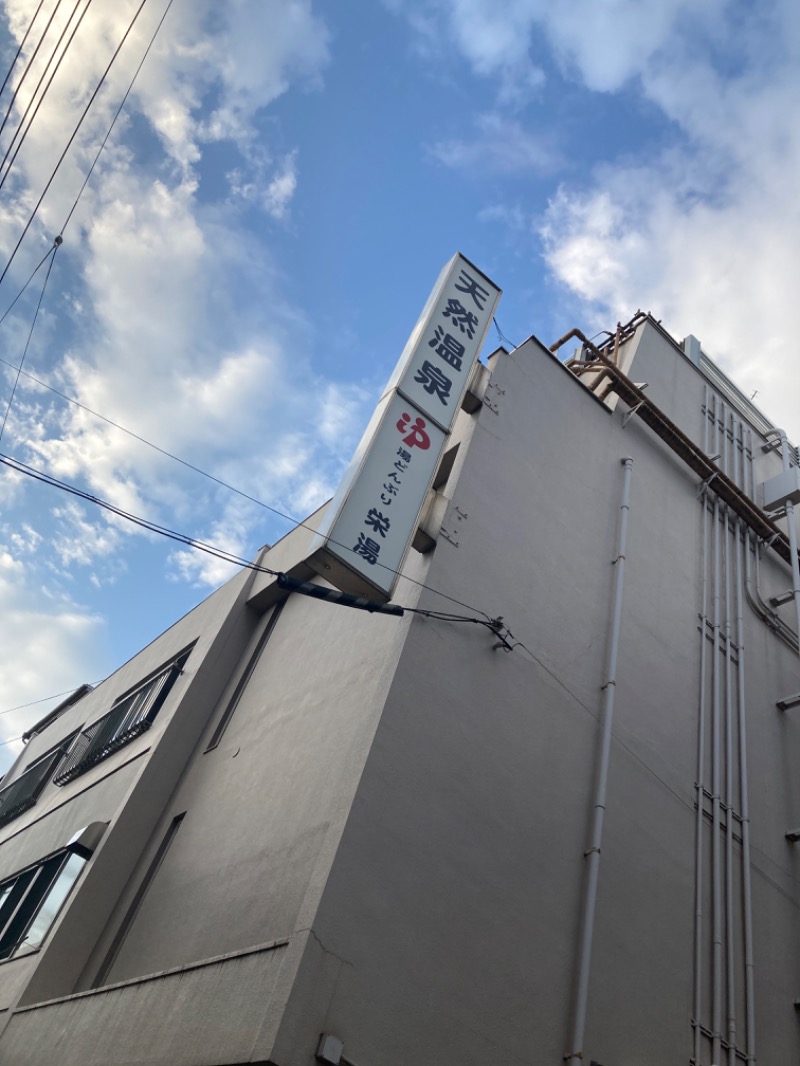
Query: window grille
x=126 y=720
x=22 y=793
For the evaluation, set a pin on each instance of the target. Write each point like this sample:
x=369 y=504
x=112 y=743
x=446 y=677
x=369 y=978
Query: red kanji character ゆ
x=417 y=437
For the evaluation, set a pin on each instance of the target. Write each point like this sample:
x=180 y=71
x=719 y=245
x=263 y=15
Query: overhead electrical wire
x=50 y=251
x=81 y=191
x=220 y=553
x=117 y=113
x=25 y=128
x=68 y=145
x=216 y=480
x=501 y=336
x=44 y=699
x=28 y=341
x=28 y=67
x=190 y=542
x=18 y=52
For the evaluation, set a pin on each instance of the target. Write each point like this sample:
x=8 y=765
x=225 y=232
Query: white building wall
x=388 y=842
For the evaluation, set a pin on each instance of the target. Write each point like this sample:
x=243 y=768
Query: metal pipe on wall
x=792 y=528
x=744 y=802
x=700 y=774
x=592 y=854
x=729 y=924
x=716 y=823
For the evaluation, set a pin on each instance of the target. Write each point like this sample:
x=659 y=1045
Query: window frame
x=128 y=717
x=24 y=895
x=11 y=809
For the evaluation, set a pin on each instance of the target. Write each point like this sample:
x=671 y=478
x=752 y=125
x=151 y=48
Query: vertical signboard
x=372 y=519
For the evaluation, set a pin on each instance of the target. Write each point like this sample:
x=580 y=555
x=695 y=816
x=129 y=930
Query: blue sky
x=269 y=215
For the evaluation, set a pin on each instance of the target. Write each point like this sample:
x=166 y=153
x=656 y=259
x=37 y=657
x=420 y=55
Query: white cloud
x=79 y=541
x=44 y=650
x=281 y=189
x=703 y=234
x=700 y=227
x=501 y=146
x=265 y=183
x=171 y=342
x=170 y=319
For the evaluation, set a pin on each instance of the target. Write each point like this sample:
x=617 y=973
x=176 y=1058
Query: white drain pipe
x=700 y=773
x=792 y=530
x=592 y=854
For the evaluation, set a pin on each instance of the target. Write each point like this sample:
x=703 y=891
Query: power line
x=501 y=336
x=71 y=139
x=224 y=484
x=18 y=52
x=50 y=251
x=210 y=549
x=44 y=699
x=96 y=414
x=28 y=67
x=40 y=101
x=117 y=114
x=30 y=334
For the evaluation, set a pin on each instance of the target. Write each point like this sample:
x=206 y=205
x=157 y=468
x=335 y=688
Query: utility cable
x=50 y=251
x=116 y=115
x=501 y=336
x=34 y=703
x=28 y=67
x=495 y=624
x=10 y=70
x=25 y=128
x=68 y=145
x=56 y=244
x=216 y=480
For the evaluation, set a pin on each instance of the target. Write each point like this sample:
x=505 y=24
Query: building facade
x=551 y=826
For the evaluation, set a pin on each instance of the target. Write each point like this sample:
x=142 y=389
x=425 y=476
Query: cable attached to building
x=496 y=625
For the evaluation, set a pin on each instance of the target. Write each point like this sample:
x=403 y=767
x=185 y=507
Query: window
x=23 y=792
x=30 y=901
x=130 y=716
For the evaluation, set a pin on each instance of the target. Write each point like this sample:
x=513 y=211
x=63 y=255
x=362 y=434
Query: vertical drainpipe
x=729 y=923
x=743 y=544
x=592 y=854
x=700 y=775
x=792 y=530
x=716 y=885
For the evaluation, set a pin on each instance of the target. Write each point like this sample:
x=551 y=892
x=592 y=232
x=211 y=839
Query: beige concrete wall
x=453 y=904
x=408 y=806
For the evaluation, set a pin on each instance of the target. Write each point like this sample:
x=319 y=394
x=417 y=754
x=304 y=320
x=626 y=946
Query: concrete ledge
x=207 y=1011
